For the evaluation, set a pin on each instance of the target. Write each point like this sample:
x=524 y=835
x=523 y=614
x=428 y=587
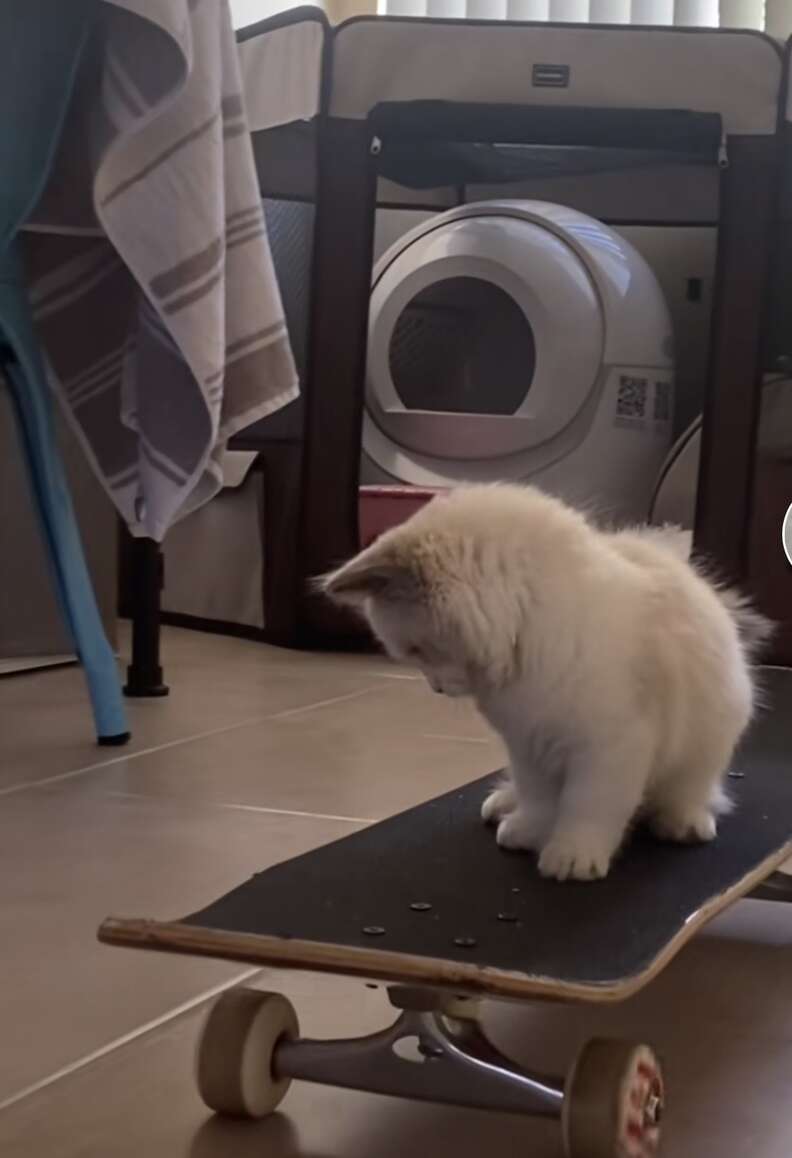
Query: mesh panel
x=290 y=225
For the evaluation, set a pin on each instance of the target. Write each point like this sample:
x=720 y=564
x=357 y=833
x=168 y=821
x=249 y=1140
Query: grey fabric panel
x=30 y=619
x=736 y=74
x=214 y=566
x=282 y=74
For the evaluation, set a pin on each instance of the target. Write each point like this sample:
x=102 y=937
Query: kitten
x=617 y=674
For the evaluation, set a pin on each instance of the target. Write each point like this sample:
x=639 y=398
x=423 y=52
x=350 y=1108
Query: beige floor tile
x=45 y=720
x=142 y=1100
x=67 y=860
x=194 y=654
x=366 y=757
x=721 y=1015
x=149 y=836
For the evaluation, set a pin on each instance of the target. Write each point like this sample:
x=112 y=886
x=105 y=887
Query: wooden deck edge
x=402 y=968
x=316 y=956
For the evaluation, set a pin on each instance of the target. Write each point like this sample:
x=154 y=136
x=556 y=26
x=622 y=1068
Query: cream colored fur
x=616 y=673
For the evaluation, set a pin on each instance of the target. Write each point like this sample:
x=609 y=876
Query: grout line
x=289 y=712
x=251 y=722
x=303 y=815
x=245 y=807
x=61 y=776
x=457 y=739
x=117 y=1043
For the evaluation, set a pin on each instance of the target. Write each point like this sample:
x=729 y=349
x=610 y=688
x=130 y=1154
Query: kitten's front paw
x=685 y=826
x=579 y=856
x=500 y=802
x=520 y=830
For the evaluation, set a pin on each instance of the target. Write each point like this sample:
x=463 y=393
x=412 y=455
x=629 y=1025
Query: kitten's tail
x=753 y=628
x=673 y=539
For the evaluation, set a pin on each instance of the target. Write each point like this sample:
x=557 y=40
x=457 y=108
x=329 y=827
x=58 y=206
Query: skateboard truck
x=435 y=1051
x=610 y=1105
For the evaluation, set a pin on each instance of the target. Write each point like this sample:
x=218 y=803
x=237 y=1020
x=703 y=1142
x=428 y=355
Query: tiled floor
x=257 y=755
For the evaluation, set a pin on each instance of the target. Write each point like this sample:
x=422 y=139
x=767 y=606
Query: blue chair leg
x=33 y=407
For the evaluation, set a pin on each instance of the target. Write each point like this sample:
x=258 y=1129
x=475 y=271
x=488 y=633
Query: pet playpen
x=373 y=128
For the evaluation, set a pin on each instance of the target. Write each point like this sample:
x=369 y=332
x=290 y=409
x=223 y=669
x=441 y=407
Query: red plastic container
x=383 y=507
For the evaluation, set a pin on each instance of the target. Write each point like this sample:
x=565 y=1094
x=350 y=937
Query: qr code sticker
x=632 y=397
x=662 y=402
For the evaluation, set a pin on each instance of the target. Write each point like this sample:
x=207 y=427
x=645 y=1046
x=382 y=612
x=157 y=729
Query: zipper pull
x=723 y=153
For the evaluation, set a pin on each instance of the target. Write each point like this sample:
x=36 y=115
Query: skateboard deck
x=427 y=898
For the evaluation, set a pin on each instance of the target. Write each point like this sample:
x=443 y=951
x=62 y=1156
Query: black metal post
x=746 y=235
x=144 y=674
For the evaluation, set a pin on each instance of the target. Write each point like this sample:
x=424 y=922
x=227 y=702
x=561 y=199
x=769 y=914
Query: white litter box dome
x=519 y=340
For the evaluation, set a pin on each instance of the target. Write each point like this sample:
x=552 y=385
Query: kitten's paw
x=685 y=825
x=578 y=856
x=500 y=802
x=521 y=831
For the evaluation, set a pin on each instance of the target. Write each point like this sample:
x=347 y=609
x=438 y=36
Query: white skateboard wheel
x=236 y=1052
x=614 y=1102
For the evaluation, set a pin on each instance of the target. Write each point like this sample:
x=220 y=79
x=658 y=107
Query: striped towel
x=148 y=265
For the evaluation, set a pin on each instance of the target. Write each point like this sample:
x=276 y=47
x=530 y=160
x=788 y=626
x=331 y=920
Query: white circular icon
x=786 y=534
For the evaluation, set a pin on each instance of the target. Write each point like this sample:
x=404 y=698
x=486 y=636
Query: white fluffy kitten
x=617 y=675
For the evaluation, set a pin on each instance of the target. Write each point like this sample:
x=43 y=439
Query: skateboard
x=428 y=904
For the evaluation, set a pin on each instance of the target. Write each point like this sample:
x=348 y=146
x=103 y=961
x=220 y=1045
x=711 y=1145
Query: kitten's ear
x=362 y=578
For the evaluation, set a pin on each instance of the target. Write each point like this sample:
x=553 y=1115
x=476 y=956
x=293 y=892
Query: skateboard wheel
x=614 y=1102
x=236 y=1052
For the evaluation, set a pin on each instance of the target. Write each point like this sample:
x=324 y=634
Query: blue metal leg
x=42 y=44
x=33 y=407
x=75 y=591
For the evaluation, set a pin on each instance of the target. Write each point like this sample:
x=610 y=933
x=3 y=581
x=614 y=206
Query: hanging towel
x=148 y=266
